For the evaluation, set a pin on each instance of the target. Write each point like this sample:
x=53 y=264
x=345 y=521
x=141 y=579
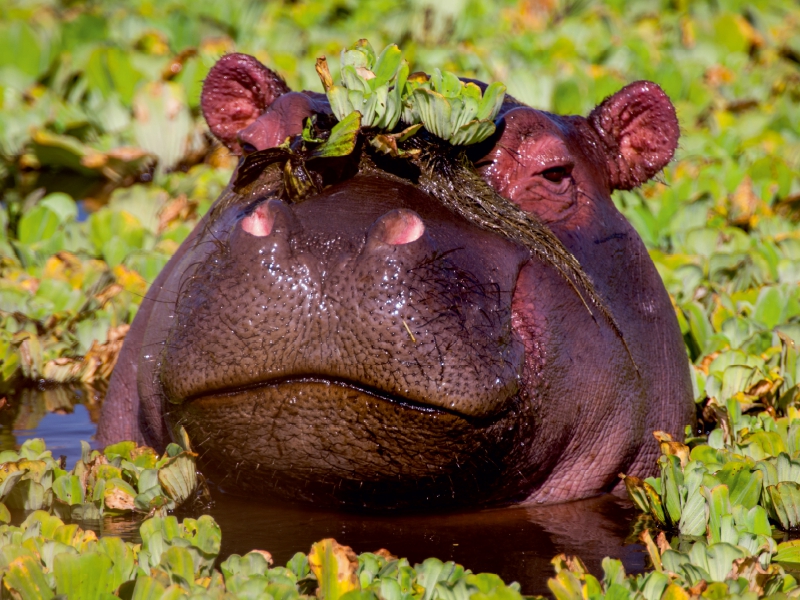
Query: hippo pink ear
x=640 y=133
x=237 y=90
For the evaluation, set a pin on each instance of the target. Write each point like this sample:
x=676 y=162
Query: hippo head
x=371 y=346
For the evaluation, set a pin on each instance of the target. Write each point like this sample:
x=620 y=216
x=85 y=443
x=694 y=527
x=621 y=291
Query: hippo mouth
x=419 y=406
x=336 y=440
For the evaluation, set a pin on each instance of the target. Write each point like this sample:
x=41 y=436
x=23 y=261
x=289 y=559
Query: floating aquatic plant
x=123 y=478
x=44 y=557
x=382 y=90
x=371 y=85
x=454 y=110
x=743 y=481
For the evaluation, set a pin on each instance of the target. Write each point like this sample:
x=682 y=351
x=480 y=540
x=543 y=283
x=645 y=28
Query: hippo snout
x=362 y=311
x=383 y=295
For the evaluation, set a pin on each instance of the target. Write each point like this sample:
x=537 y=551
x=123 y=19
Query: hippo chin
x=368 y=346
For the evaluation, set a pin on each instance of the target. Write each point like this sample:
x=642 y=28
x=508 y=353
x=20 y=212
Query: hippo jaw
x=357 y=448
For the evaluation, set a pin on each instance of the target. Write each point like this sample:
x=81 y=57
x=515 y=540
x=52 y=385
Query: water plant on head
x=381 y=89
x=371 y=85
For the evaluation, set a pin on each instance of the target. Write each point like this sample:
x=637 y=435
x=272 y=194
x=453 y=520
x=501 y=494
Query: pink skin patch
x=259 y=223
x=401 y=227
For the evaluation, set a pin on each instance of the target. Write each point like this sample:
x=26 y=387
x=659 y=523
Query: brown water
x=516 y=543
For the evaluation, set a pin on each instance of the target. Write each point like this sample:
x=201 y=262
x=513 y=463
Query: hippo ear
x=640 y=132
x=237 y=90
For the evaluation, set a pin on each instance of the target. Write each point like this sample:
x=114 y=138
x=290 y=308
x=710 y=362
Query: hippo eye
x=557 y=174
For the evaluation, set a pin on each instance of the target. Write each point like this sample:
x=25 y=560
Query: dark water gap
x=517 y=543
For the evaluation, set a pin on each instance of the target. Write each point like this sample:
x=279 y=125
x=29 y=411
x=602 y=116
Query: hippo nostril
x=259 y=223
x=397 y=227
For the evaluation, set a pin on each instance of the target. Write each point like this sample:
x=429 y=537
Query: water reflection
x=63 y=416
x=516 y=543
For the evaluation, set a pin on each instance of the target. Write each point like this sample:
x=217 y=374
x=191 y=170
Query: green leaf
x=769 y=307
x=335 y=567
x=163 y=124
x=84 y=576
x=728 y=32
x=567 y=98
x=719 y=506
x=26 y=495
x=785 y=499
x=472 y=133
x=434 y=111
x=671 y=479
x=152 y=498
x=654 y=585
x=9 y=483
x=758 y=521
x=674 y=592
x=720 y=560
x=565 y=586
x=491 y=102
x=788 y=552
x=178 y=477
x=206 y=534
x=769 y=471
x=744 y=485
x=693 y=516
x=252 y=563
x=68 y=488
x=656 y=505
x=61 y=204
x=613 y=572
x=338 y=98
x=25 y=576
x=147 y=588
x=16 y=34
x=110 y=71
x=672 y=560
x=122 y=449
x=737 y=378
x=177 y=561
x=342 y=140
x=788 y=470
x=121 y=556
x=387 y=64
x=298 y=565
x=38 y=224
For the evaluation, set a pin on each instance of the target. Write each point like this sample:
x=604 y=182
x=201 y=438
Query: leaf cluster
x=175 y=560
x=383 y=92
x=123 y=479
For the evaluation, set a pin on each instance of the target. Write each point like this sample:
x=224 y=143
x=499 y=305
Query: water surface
x=516 y=543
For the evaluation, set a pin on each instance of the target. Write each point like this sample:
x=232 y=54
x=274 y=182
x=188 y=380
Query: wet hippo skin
x=368 y=347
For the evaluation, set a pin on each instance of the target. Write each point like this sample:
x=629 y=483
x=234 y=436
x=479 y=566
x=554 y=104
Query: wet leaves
x=43 y=557
x=371 y=85
x=123 y=479
x=335 y=568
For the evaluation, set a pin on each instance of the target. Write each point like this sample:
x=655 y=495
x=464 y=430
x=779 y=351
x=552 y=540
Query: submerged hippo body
x=368 y=346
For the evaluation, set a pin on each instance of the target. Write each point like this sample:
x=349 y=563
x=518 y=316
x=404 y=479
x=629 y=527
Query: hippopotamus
x=370 y=347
